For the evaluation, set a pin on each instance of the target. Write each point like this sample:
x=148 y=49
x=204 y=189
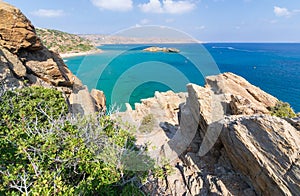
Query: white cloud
x=114 y=5
x=48 y=13
x=153 y=6
x=177 y=7
x=281 y=11
x=167 y=6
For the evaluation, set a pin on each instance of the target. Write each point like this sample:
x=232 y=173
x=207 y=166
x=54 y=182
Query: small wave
x=65 y=60
x=231 y=48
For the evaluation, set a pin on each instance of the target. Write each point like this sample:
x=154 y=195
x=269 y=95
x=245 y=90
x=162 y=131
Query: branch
x=32 y=163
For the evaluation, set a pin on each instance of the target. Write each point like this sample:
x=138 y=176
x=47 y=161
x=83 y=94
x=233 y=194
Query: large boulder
x=16 y=31
x=266 y=149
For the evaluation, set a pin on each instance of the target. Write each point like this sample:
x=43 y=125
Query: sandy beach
x=68 y=55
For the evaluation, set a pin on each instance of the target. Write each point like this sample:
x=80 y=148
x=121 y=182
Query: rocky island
x=226 y=138
x=164 y=49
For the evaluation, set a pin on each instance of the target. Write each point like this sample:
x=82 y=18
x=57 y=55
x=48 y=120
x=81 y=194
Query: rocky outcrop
x=226 y=142
x=24 y=58
x=99 y=100
x=8 y=72
x=266 y=149
x=161 y=112
x=295 y=122
x=245 y=98
x=17 y=32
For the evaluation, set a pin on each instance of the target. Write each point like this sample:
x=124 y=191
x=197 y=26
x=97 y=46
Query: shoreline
x=75 y=54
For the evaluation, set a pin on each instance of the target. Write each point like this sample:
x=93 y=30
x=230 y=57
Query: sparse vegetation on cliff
x=63 y=42
x=147 y=123
x=283 y=110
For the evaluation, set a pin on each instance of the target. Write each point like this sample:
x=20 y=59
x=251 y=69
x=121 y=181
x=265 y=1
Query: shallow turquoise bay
x=126 y=73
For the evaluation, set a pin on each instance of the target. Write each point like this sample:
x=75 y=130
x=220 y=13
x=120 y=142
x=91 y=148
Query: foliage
x=147 y=123
x=166 y=169
x=25 y=106
x=283 y=110
x=44 y=151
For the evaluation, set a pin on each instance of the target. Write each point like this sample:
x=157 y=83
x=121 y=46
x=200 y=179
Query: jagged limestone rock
x=266 y=149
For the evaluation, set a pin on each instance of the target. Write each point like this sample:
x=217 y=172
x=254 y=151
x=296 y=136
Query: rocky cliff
x=25 y=61
x=225 y=142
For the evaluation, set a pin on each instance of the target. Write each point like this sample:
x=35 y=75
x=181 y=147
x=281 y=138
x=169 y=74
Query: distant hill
x=99 y=39
x=64 y=43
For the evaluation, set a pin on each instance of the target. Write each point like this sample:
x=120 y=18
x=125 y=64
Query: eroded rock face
x=23 y=57
x=7 y=78
x=16 y=31
x=295 y=122
x=245 y=98
x=13 y=62
x=99 y=100
x=220 y=153
x=42 y=64
x=266 y=149
x=163 y=107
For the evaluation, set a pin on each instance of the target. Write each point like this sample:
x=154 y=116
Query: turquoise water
x=126 y=73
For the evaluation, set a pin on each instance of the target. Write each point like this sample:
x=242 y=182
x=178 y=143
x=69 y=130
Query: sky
x=205 y=20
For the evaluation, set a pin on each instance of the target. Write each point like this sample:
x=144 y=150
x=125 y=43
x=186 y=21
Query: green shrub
x=30 y=105
x=45 y=152
x=282 y=110
x=147 y=124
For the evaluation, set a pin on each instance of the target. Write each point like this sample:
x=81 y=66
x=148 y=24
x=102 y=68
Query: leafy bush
x=31 y=104
x=283 y=110
x=44 y=151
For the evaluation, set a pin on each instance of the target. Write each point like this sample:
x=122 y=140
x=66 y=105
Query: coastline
x=74 y=54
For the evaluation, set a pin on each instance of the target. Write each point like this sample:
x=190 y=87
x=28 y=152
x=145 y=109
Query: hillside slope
x=65 y=43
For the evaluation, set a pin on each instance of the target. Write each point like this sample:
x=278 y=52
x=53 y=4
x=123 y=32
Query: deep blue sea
x=126 y=73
